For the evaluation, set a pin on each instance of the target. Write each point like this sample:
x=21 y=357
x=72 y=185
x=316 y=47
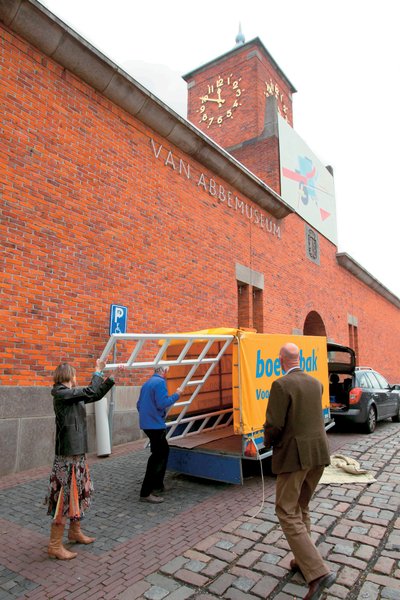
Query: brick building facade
x=107 y=196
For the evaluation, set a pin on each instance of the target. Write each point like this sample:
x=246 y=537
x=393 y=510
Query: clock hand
x=220 y=100
x=207 y=99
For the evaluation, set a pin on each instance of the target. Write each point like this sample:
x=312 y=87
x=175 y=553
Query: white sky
x=343 y=57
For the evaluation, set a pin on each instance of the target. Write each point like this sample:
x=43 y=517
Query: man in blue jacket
x=152 y=406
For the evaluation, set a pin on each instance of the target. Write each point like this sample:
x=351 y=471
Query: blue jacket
x=153 y=402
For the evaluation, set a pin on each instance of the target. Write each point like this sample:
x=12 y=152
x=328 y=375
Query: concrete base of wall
x=27 y=428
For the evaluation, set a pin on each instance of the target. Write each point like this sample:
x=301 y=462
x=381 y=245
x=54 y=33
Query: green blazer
x=294 y=424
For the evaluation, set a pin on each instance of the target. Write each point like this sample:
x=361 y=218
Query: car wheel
x=396 y=418
x=370 y=423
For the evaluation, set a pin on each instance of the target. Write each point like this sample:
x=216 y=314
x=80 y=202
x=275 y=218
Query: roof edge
x=255 y=41
x=351 y=265
x=41 y=28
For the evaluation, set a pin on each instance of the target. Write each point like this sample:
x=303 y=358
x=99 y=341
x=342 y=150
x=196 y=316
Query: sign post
x=104 y=425
x=118 y=324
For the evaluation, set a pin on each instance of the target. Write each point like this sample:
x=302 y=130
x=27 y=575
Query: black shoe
x=294 y=567
x=151 y=498
x=165 y=488
x=317 y=586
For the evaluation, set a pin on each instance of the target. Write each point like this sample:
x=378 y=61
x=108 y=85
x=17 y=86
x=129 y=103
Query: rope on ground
x=262 y=479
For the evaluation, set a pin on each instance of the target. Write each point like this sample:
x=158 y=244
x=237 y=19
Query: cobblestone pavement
x=207 y=540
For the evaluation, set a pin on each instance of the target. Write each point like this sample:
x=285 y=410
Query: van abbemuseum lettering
x=216 y=190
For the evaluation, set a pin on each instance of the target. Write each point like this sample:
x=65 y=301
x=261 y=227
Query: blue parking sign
x=118 y=318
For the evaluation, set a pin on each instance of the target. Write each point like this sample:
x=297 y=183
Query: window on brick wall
x=250 y=307
x=258 y=313
x=244 y=302
x=313 y=324
x=353 y=339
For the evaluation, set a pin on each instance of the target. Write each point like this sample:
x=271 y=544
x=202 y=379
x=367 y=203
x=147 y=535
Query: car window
x=382 y=381
x=362 y=380
x=374 y=383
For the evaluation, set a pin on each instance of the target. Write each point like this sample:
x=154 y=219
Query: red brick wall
x=261 y=157
x=93 y=213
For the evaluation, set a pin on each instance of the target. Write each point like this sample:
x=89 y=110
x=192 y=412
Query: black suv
x=359 y=394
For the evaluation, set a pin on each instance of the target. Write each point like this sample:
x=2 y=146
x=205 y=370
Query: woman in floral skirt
x=70 y=487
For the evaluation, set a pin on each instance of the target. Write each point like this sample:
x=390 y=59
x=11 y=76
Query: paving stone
x=384 y=565
x=325 y=549
x=273 y=536
x=341 y=530
x=192 y=578
x=369 y=591
x=243 y=583
x=232 y=526
x=174 y=565
x=205 y=544
x=393 y=542
x=270 y=569
x=295 y=590
x=135 y=591
x=225 y=544
x=265 y=586
x=338 y=591
x=8 y=585
x=221 y=584
x=181 y=594
x=235 y=594
x=348 y=577
x=248 y=559
x=224 y=555
x=273 y=559
x=389 y=582
x=242 y=546
x=347 y=550
x=242 y=572
x=390 y=594
x=159 y=580
x=230 y=537
x=214 y=567
x=195 y=565
x=264 y=527
x=249 y=534
x=156 y=593
x=364 y=552
x=194 y=555
x=271 y=549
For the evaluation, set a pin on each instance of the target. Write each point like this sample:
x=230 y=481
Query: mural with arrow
x=306 y=184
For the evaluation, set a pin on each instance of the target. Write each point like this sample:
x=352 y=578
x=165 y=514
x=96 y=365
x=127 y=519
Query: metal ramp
x=199 y=356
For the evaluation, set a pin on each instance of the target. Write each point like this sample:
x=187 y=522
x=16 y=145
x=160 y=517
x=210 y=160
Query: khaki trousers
x=293 y=494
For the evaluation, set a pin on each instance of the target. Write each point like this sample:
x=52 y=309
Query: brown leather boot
x=75 y=534
x=55 y=548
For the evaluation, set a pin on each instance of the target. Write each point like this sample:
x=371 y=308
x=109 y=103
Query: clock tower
x=236 y=98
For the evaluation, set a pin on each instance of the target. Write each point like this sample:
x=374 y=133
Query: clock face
x=220 y=100
x=272 y=89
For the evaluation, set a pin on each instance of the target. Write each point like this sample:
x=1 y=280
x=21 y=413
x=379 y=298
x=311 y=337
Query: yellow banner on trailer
x=257 y=357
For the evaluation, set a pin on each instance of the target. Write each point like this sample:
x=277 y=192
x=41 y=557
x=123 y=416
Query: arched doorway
x=313 y=324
